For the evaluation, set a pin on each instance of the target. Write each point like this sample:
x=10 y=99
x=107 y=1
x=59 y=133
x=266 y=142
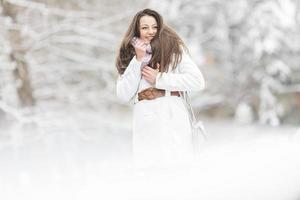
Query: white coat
x=161 y=127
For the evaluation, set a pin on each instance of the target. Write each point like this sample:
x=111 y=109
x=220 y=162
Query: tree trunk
x=17 y=55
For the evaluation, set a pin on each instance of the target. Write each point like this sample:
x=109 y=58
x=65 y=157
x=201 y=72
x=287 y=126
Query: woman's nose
x=151 y=30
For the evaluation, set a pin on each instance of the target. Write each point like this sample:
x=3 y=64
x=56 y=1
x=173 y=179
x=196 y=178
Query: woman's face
x=148 y=28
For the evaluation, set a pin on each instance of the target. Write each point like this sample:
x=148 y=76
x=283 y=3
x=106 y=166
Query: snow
x=82 y=154
x=244 y=114
x=76 y=142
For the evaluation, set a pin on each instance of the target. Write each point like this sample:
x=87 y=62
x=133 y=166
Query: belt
x=153 y=93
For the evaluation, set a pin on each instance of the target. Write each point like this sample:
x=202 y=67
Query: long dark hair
x=166 y=46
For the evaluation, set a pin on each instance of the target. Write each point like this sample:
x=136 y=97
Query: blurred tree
x=17 y=56
x=247 y=50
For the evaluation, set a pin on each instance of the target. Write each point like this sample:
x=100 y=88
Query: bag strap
x=186 y=97
x=193 y=119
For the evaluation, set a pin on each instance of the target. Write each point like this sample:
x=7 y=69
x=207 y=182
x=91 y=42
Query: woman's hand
x=140 y=48
x=150 y=74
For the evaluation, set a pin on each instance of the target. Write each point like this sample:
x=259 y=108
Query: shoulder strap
x=194 y=122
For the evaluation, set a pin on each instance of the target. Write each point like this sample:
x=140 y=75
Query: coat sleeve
x=128 y=82
x=187 y=78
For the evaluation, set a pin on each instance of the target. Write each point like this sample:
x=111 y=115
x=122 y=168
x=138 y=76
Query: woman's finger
x=146 y=73
x=149 y=68
x=146 y=68
x=140 y=43
x=157 y=66
x=146 y=76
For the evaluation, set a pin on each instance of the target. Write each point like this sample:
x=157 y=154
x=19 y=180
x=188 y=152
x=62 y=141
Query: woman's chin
x=147 y=40
x=150 y=39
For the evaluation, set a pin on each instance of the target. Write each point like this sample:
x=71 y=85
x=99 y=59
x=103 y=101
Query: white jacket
x=185 y=77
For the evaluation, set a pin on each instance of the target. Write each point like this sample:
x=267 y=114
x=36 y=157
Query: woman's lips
x=150 y=37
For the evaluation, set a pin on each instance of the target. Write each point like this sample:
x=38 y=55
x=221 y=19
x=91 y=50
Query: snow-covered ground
x=87 y=155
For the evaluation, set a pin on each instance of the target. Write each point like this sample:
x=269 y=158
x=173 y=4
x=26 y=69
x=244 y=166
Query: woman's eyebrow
x=147 y=25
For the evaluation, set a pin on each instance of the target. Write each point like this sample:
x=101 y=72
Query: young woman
x=155 y=69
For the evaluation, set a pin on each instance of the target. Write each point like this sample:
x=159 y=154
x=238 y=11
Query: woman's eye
x=144 y=28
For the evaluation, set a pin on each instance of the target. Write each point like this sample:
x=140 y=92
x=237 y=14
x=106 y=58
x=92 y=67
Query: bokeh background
x=58 y=107
x=60 y=55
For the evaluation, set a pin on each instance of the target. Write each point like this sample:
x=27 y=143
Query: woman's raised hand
x=140 y=48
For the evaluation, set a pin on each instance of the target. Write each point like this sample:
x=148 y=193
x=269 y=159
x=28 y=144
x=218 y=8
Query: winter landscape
x=65 y=135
